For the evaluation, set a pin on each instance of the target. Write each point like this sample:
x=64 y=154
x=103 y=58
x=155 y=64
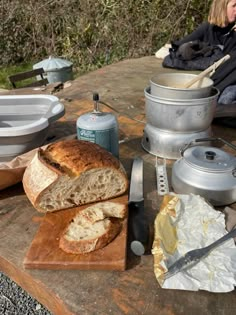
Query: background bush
x=93 y=33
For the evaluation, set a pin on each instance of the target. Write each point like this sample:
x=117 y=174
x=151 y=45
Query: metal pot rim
x=197 y=101
x=152 y=82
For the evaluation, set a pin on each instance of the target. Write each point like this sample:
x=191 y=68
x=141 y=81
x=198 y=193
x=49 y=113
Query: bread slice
x=93 y=228
x=103 y=210
x=72 y=173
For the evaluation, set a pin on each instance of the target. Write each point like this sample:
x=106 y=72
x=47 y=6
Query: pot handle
x=190 y=144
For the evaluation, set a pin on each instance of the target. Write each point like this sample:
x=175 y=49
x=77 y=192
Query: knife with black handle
x=137 y=216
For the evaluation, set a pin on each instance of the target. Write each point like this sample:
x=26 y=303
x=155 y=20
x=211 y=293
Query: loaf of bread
x=93 y=228
x=72 y=173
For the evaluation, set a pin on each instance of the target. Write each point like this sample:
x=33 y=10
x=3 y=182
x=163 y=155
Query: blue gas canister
x=100 y=128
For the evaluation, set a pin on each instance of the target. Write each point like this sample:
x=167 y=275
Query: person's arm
x=199 y=34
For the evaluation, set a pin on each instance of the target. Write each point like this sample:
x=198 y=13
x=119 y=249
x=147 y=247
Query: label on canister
x=100 y=129
x=105 y=138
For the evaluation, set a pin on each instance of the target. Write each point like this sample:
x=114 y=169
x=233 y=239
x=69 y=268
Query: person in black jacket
x=207 y=44
x=220 y=28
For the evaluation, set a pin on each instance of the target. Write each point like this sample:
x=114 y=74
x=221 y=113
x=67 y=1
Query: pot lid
x=52 y=64
x=209 y=159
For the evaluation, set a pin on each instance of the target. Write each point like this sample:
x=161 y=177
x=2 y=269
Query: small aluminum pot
x=180 y=115
x=170 y=85
x=206 y=171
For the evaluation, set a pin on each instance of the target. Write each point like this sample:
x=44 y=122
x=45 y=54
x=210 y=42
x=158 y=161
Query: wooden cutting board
x=44 y=251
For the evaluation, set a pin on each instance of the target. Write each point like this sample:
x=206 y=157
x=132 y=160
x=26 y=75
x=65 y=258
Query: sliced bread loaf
x=93 y=228
x=72 y=173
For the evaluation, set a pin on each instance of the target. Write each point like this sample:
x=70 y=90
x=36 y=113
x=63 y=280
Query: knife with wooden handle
x=137 y=217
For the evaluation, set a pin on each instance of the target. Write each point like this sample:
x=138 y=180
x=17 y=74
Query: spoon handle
x=205 y=72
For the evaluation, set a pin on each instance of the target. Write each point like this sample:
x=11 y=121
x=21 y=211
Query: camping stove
x=167 y=144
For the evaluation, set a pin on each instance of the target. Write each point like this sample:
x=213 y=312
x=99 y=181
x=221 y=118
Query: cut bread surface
x=103 y=210
x=90 y=186
x=93 y=228
x=78 y=231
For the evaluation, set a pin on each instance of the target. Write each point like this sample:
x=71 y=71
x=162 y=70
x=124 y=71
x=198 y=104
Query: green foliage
x=93 y=33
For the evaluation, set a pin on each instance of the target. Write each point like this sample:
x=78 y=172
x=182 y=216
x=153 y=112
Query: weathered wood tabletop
x=135 y=290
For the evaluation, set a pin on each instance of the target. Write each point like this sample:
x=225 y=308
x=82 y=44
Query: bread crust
x=69 y=160
x=76 y=156
x=32 y=180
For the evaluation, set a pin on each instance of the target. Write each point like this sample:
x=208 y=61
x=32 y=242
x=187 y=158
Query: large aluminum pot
x=170 y=85
x=206 y=171
x=180 y=115
x=168 y=144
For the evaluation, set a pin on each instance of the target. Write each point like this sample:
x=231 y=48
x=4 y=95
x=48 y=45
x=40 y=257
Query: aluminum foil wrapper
x=187 y=222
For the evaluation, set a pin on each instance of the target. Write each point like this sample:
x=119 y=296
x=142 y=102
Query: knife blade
x=192 y=257
x=137 y=219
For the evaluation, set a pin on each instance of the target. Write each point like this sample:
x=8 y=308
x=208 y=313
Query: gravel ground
x=15 y=301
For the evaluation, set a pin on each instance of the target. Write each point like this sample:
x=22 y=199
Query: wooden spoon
x=206 y=71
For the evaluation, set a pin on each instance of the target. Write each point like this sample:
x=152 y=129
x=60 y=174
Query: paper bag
x=12 y=172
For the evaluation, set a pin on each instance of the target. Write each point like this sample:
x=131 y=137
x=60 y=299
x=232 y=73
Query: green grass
x=9 y=70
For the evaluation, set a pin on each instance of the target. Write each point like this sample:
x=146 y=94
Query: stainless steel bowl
x=170 y=86
x=181 y=115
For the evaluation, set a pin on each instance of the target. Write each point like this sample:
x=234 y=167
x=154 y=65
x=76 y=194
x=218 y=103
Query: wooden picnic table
x=135 y=290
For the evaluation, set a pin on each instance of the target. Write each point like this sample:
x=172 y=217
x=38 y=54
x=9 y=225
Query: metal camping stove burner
x=167 y=144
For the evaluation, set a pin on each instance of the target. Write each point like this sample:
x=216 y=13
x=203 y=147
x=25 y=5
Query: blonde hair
x=218 y=13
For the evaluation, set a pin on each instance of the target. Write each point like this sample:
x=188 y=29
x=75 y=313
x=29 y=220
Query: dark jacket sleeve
x=213 y=35
x=225 y=75
x=201 y=33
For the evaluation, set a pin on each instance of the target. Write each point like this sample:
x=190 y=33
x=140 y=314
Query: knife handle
x=139 y=227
